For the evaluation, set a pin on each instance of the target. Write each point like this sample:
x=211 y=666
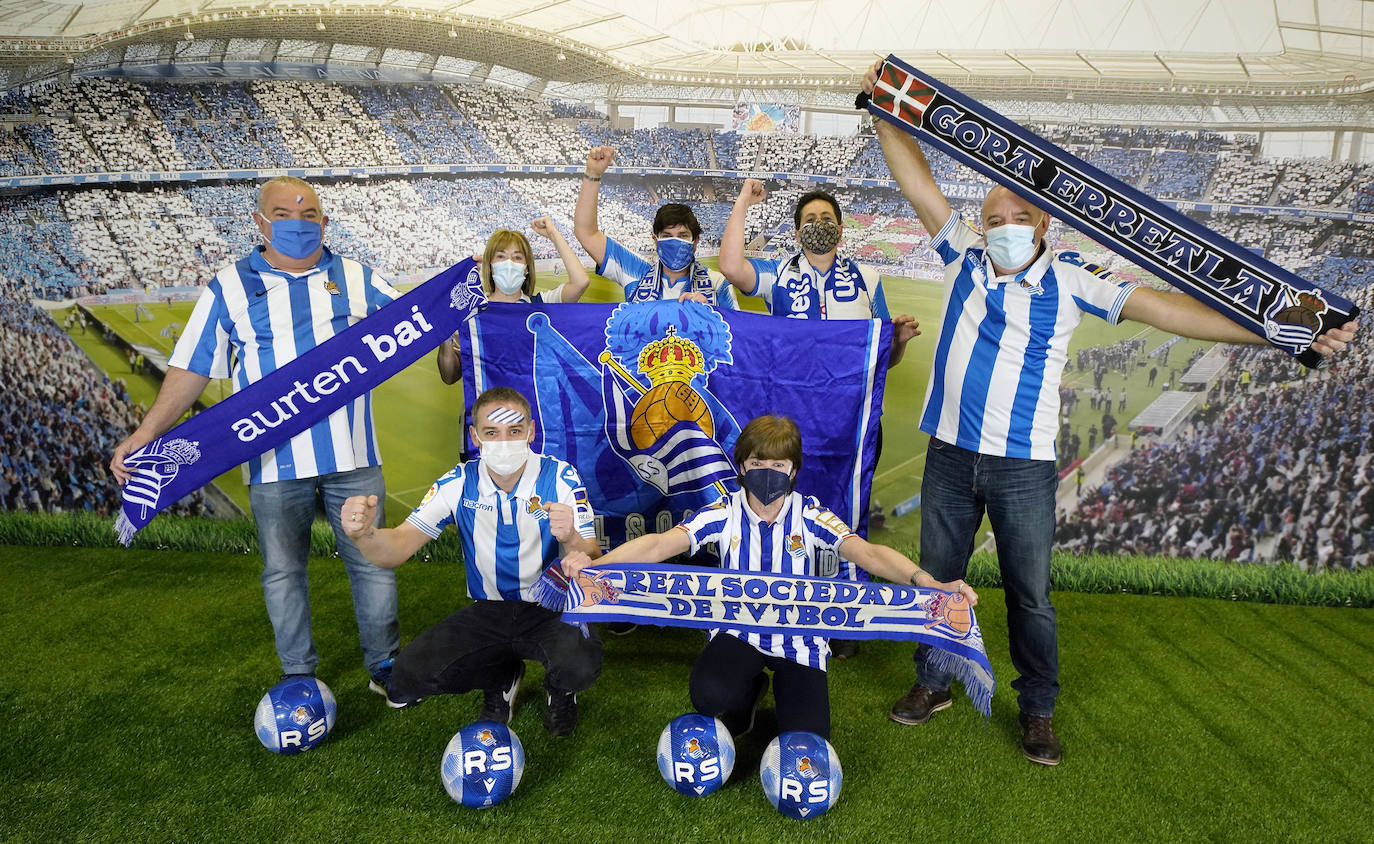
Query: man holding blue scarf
x=992 y=411
x=258 y=314
x=674 y=274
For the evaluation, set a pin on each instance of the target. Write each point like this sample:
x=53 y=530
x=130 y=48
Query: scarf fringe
x=125 y=529
x=979 y=692
x=550 y=591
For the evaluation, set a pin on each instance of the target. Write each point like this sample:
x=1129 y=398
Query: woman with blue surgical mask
x=508 y=276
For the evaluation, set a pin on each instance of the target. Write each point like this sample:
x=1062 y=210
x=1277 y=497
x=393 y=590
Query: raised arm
x=578 y=278
x=733 y=265
x=180 y=389
x=894 y=566
x=585 y=226
x=385 y=548
x=909 y=168
x=649 y=548
x=1181 y=314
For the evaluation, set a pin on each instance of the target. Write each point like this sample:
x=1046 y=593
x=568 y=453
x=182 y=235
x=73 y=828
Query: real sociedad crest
x=1294 y=318
x=154 y=467
x=467 y=293
x=665 y=428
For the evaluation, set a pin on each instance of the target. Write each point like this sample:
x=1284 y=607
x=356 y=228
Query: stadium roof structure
x=1291 y=48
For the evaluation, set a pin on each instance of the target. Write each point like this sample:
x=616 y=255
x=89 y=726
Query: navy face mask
x=767 y=485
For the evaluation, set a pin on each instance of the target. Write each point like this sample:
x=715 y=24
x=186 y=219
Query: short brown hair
x=810 y=197
x=502 y=239
x=676 y=214
x=769 y=438
x=496 y=395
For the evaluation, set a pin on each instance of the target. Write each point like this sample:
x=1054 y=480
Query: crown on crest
x=673 y=358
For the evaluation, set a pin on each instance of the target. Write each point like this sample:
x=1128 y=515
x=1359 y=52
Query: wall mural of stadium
x=1214 y=508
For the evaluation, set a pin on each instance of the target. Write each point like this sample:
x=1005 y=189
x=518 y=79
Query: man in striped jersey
x=992 y=411
x=513 y=509
x=256 y=315
x=815 y=282
x=768 y=527
x=675 y=273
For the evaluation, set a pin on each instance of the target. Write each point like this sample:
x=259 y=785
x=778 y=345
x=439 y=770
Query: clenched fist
x=359 y=516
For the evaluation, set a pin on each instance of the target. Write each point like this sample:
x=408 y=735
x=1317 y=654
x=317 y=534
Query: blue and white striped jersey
x=790 y=286
x=1003 y=343
x=252 y=319
x=795 y=544
x=506 y=539
x=643 y=281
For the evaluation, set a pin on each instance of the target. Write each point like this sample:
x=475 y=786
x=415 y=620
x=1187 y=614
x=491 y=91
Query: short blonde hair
x=503 y=239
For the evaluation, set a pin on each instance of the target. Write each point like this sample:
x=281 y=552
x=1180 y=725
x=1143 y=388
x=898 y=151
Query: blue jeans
x=1018 y=496
x=284 y=511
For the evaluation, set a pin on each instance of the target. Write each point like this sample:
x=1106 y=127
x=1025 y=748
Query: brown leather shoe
x=1038 y=741
x=917 y=705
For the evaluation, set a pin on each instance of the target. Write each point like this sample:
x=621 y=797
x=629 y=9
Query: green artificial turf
x=132 y=676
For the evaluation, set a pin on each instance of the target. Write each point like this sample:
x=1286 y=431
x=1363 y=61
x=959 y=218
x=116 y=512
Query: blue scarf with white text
x=339 y=370
x=1255 y=293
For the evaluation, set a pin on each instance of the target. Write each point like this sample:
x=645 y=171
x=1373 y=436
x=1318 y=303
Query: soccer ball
x=482 y=764
x=695 y=754
x=663 y=407
x=295 y=715
x=801 y=774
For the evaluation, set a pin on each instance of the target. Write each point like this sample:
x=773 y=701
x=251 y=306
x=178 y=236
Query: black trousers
x=728 y=676
x=482 y=645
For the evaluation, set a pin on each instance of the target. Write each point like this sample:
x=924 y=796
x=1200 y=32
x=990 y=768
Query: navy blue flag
x=647 y=399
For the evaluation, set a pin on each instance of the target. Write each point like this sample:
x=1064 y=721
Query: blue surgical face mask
x=297 y=239
x=767 y=485
x=508 y=276
x=1011 y=246
x=676 y=253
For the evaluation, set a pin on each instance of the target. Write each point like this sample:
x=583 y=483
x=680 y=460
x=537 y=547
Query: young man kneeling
x=513 y=509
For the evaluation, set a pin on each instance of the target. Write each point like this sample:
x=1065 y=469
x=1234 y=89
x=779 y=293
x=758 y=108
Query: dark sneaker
x=917 y=705
x=400 y=701
x=381 y=676
x=844 y=648
x=381 y=684
x=302 y=675
x=561 y=717
x=497 y=703
x=1038 y=741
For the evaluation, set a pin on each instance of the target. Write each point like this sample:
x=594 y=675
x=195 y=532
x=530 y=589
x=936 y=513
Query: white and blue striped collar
x=258 y=262
x=753 y=517
x=1028 y=278
x=524 y=488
